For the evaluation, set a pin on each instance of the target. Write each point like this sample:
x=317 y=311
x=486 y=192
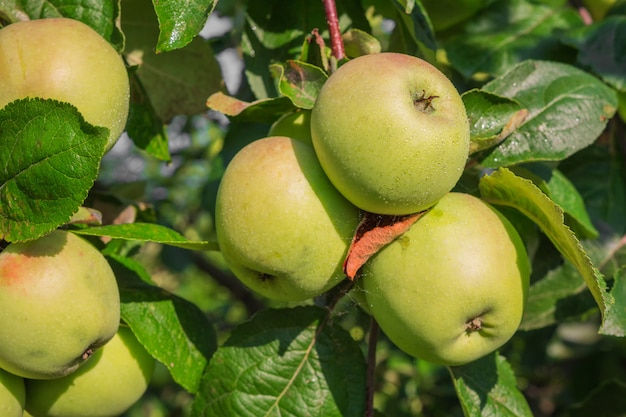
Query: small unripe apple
x=66 y=60
x=453 y=287
x=295 y=125
x=281 y=225
x=391 y=133
x=112 y=381
x=59 y=302
x=12 y=394
x=444 y=14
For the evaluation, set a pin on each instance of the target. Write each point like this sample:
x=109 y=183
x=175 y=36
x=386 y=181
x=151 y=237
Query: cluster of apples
x=63 y=352
x=389 y=135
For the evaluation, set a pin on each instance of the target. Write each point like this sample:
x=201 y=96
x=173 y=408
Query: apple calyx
x=424 y=103
x=474 y=325
x=87 y=354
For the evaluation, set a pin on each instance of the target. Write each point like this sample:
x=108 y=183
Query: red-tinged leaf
x=230 y=106
x=374 y=232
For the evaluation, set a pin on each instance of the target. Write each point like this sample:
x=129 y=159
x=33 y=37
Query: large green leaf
x=502 y=187
x=487 y=387
x=568 y=109
x=172 y=329
x=176 y=82
x=287 y=362
x=49 y=160
x=508 y=32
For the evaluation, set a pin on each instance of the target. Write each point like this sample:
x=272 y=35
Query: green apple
x=66 y=60
x=453 y=288
x=282 y=227
x=295 y=125
x=59 y=302
x=11 y=394
x=444 y=14
x=391 y=132
x=110 y=383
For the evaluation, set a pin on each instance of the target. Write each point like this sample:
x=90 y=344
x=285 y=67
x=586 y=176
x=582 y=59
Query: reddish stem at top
x=336 y=43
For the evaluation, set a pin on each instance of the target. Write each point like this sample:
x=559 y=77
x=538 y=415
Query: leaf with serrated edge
x=502 y=187
x=287 y=362
x=49 y=160
x=487 y=387
x=299 y=81
x=568 y=109
x=147 y=232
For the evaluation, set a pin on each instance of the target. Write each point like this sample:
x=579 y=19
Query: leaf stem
x=371 y=368
x=336 y=42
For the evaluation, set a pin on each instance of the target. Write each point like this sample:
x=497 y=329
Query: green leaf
x=487 y=387
x=180 y=21
x=144 y=126
x=274 y=31
x=617 y=313
x=502 y=187
x=492 y=118
x=358 y=43
x=49 y=160
x=601 y=49
x=508 y=32
x=288 y=362
x=173 y=330
x=147 y=232
x=598 y=174
x=560 y=189
x=568 y=109
x=413 y=17
x=176 y=82
x=299 y=81
x=558 y=296
x=100 y=15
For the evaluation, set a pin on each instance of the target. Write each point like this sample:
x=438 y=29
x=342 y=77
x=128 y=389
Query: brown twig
x=371 y=369
x=336 y=42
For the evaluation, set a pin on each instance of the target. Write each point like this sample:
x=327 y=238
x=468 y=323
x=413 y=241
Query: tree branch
x=336 y=42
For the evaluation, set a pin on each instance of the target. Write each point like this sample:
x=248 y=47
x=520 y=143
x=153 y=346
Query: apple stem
x=371 y=368
x=336 y=42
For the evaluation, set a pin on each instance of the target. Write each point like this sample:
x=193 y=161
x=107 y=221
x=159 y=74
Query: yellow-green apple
x=59 y=302
x=11 y=394
x=65 y=60
x=295 y=125
x=453 y=287
x=391 y=132
x=109 y=384
x=282 y=227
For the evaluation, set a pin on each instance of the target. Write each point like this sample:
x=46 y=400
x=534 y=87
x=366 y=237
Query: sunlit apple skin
x=66 y=60
x=107 y=385
x=453 y=288
x=12 y=394
x=391 y=132
x=295 y=125
x=282 y=227
x=59 y=302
